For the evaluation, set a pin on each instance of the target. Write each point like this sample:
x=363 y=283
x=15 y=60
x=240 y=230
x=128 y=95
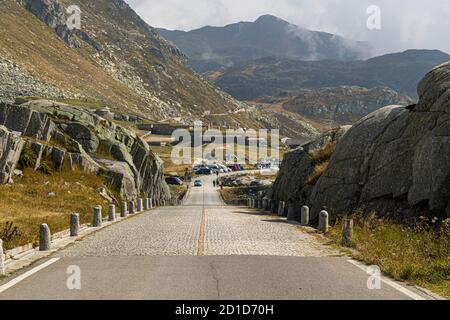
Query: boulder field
x=395 y=161
x=62 y=136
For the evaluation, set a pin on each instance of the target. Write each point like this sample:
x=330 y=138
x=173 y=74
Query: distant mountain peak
x=213 y=49
x=268 y=18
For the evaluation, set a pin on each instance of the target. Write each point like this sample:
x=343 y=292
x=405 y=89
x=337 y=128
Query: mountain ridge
x=272 y=76
x=212 y=48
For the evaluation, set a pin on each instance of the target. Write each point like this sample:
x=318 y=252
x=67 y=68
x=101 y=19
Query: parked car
x=198 y=166
x=198 y=183
x=204 y=170
x=236 y=167
x=174 y=181
x=214 y=168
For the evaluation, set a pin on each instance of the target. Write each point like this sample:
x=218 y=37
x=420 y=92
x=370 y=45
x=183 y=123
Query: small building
x=105 y=113
x=260 y=142
x=295 y=143
x=163 y=129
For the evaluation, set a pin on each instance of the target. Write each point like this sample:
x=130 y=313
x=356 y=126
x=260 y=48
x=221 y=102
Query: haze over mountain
x=273 y=76
x=215 y=48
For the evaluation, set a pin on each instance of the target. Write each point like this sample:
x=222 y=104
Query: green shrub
x=28 y=158
x=45 y=168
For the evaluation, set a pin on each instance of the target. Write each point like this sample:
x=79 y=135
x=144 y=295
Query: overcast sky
x=405 y=24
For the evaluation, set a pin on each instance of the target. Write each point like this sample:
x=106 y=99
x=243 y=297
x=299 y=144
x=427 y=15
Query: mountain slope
x=215 y=48
x=342 y=105
x=116 y=59
x=272 y=76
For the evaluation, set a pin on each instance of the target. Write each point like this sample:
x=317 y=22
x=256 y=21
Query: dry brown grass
x=178 y=192
x=27 y=205
x=229 y=194
x=165 y=153
x=320 y=160
x=323 y=155
x=419 y=254
x=318 y=171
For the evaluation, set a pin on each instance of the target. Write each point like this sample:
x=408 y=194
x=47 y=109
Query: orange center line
x=201 y=233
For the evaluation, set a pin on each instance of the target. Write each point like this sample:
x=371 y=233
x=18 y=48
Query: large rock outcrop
x=395 y=161
x=72 y=137
x=10 y=149
x=291 y=184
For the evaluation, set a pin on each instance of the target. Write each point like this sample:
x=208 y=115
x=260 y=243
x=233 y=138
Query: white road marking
x=27 y=274
x=389 y=282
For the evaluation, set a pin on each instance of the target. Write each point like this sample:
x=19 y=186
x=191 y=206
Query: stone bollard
x=305 y=216
x=74 y=224
x=323 y=221
x=132 y=207
x=293 y=212
x=281 y=207
x=140 y=205
x=260 y=203
x=123 y=210
x=97 y=219
x=112 y=213
x=264 y=204
x=285 y=210
x=268 y=205
x=347 y=232
x=150 y=203
x=146 y=204
x=2 y=260
x=45 y=238
x=273 y=207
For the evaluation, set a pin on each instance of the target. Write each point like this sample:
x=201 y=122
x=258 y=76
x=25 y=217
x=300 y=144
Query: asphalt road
x=200 y=251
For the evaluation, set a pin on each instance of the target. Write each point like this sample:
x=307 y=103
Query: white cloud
x=405 y=23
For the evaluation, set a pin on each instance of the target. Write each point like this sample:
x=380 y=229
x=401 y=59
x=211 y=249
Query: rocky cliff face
x=68 y=137
x=292 y=181
x=10 y=149
x=395 y=161
x=342 y=105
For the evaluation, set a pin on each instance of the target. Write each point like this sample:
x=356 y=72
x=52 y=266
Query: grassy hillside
x=136 y=72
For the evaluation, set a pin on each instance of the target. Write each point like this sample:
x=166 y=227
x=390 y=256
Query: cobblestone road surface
x=204 y=221
x=201 y=250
